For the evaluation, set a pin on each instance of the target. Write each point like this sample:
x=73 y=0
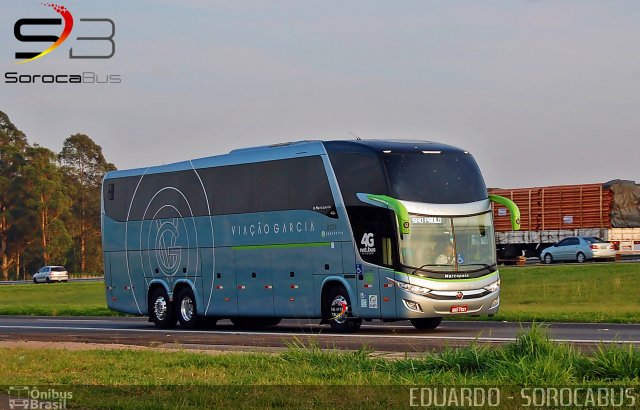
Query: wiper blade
x=424 y=266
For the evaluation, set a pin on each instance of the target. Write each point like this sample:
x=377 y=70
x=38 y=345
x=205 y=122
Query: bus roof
x=289 y=150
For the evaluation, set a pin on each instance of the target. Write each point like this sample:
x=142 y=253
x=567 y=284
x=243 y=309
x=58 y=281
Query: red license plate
x=459 y=309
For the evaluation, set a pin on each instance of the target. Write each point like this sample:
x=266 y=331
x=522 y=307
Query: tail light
x=612 y=247
x=594 y=247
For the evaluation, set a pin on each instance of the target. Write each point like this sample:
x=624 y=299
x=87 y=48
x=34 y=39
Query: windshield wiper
x=491 y=268
x=424 y=266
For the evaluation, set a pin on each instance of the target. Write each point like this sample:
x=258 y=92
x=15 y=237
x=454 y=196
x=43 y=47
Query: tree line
x=49 y=204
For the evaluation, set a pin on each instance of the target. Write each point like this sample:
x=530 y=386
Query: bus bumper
x=411 y=306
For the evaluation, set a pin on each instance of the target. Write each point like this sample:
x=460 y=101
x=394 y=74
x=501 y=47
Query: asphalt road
x=398 y=337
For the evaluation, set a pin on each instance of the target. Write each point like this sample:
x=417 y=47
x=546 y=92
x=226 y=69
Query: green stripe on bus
x=283 y=245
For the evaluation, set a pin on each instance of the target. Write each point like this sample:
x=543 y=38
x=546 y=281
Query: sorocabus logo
x=94 y=47
x=66 y=30
x=57 y=40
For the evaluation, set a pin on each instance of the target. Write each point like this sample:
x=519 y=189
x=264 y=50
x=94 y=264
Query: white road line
x=335 y=335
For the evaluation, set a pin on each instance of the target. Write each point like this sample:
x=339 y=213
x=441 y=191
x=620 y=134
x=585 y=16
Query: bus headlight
x=493 y=286
x=415 y=289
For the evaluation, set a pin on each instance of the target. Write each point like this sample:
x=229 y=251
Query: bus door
x=254 y=281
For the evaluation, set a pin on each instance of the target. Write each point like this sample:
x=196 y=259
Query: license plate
x=459 y=309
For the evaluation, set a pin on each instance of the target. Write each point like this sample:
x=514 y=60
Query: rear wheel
x=35 y=281
x=426 y=323
x=548 y=259
x=185 y=305
x=48 y=280
x=580 y=257
x=337 y=311
x=161 y=310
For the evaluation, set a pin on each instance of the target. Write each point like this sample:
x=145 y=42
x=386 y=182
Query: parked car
x=579 y=249
x=51 y=274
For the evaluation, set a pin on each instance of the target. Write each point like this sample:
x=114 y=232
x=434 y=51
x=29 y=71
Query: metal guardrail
x=27 y=282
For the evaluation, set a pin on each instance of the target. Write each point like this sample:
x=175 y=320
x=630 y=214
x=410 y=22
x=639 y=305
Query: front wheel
x=161 y=310
x=426 y=323
x=548 y=259
x=185 y=304
x=337 y=311
x=35 y=281
x=580 y=257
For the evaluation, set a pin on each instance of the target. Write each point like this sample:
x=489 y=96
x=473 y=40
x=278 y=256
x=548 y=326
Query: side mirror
x=514 y=211
x=384 y=201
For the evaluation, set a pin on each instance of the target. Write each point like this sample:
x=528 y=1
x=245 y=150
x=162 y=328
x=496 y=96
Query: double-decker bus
x=341 y=231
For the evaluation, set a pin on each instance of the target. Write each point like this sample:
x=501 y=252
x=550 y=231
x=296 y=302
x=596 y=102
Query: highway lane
x=384 y=337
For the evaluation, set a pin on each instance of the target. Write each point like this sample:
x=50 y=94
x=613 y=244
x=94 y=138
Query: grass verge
x=307 y=377
x=602 y=292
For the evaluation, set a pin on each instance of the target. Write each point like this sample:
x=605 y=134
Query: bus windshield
x=449 y=244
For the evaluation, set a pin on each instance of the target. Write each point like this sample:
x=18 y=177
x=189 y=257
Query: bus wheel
x=185 y=305
x=160 y=310
x=337 y=307
x=426 y=323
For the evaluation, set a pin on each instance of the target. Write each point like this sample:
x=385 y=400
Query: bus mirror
x=388 y=202
x=514 y=211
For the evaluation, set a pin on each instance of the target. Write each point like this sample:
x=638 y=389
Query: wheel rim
x=547 y=258
x=580 y=258
x=338 y=309
x=186 y=309
x=160 y=308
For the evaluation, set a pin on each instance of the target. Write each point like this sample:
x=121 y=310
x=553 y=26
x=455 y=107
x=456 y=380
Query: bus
x=340 y=231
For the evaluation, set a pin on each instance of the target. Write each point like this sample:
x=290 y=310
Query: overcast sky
x=541 y=92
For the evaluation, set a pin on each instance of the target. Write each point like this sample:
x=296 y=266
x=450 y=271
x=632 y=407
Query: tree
x=47 y=196
x=13 y=144
x=84 y=166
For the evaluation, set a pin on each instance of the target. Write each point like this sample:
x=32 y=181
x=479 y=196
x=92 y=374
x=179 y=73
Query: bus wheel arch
x=334 y=299
x=161 y=311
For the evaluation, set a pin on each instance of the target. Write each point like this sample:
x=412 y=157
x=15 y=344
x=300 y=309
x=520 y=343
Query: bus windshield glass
x=435 y=177
x=449 y=244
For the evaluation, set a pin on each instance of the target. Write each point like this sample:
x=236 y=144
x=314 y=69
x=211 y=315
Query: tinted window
x=447 y=177
x=594 y=240
x=573 y=241
x=58 y=269
x=358 y=173
x=297 y=183
x=564 y=242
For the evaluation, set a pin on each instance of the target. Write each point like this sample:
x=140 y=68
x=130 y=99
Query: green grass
x=576 y=293
x=152 y=379
x=55 y=299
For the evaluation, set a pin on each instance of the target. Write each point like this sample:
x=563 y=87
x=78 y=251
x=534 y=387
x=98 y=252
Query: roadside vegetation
x=602 y=292
x=305 y=377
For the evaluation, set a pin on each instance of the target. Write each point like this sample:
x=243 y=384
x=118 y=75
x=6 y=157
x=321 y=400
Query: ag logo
x=367 y=240
x=168 y=253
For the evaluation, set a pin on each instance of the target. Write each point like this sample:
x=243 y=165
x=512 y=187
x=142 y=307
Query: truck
x=609 y=211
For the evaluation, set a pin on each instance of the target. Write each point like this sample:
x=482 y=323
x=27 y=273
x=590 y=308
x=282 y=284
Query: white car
x=49 y=274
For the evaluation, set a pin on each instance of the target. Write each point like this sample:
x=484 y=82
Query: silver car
x=51 y=274
x=579 y=249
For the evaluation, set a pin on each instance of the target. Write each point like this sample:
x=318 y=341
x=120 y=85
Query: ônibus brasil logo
x=93 y=47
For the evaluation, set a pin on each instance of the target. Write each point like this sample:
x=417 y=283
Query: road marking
x=336 y=335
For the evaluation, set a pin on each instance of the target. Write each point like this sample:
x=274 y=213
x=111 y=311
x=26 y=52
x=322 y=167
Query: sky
x=541 y=92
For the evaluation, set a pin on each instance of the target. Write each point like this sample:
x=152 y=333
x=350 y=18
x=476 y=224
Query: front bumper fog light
x=411 y=305
x=495 y=303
